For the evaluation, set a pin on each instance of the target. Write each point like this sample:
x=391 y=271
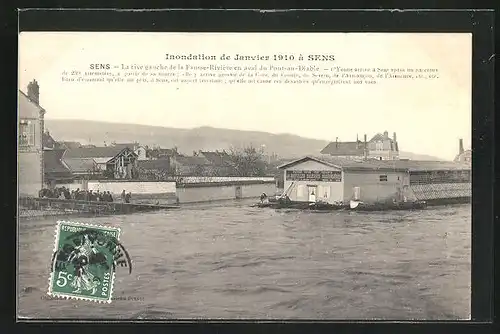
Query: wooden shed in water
x=334 y=180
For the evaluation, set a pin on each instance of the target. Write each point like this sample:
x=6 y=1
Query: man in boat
x=285 y=199
x=127 y=197
x=264 y=199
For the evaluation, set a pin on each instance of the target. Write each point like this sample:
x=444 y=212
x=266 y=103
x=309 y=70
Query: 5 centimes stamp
x=85 y=260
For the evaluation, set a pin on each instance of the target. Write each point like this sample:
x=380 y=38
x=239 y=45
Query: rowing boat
x=410 y=205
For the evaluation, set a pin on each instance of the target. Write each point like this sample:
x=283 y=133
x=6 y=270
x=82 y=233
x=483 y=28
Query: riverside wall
x=186 y=190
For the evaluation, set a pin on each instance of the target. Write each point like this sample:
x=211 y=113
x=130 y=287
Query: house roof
x=217 y=158
x=344 y=148
x=124 y=145
x=28 y=106
x=70 y=144
x=156 y=152
x=385 y=165
x=93 y=152
x=52 y=162
x=48 y=141
x=380 y=136
x=191 y=160
x=159 y=164
x=80 y=165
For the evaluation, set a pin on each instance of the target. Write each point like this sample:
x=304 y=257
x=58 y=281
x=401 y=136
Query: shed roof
x=386 y=165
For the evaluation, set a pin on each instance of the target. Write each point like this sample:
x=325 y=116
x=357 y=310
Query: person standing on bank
x=123 y=196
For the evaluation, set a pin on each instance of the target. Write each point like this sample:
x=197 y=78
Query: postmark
x=85 y=260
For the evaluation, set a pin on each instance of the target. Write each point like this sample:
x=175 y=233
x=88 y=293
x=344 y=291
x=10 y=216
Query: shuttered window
x=26 y=133
x=324 y=192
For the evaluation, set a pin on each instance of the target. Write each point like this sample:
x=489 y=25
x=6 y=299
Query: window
x=383 y=177
x=301 y=191
x=379 y=146
x=356 y=193
x=26 y=133
x=324 y=191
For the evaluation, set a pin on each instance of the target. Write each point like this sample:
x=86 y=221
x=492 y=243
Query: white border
x=55 y=249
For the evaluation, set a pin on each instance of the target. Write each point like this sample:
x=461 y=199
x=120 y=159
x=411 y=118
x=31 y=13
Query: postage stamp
x=85 y=260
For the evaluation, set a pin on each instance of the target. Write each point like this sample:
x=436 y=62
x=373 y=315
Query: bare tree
x=247 y=161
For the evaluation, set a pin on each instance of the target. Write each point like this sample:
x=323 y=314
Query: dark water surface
x=231 y=261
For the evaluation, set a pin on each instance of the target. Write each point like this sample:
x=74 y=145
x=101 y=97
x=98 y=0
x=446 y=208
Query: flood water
x=231 y=261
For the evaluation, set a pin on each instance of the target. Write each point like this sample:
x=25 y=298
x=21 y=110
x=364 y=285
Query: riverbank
x=32 y=206
x=25 y=213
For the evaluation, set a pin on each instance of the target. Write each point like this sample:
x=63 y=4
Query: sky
x=429 y=116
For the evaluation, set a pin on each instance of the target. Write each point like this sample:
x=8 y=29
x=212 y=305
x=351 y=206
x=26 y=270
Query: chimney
x=460 y=146
x=34 y=91
x=357 y=141
x=386 y=134
x=394 y=139
x=366 y=149
x=337 y=142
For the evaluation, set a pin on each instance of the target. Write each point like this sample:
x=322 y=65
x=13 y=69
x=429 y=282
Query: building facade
x=141 y=153
x=30 y=143
x=112 y=162
x=463 y=156
x=379 y=147
x=340 y=180
x=382 y=147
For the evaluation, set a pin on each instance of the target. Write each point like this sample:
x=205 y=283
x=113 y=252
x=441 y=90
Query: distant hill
x=189 y=140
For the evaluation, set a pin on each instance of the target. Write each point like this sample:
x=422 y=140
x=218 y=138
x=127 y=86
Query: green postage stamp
x=84 y=261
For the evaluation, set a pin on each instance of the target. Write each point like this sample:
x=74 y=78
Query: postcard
x=244 y=175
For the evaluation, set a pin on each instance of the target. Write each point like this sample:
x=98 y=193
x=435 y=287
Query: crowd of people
x=83 y=195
